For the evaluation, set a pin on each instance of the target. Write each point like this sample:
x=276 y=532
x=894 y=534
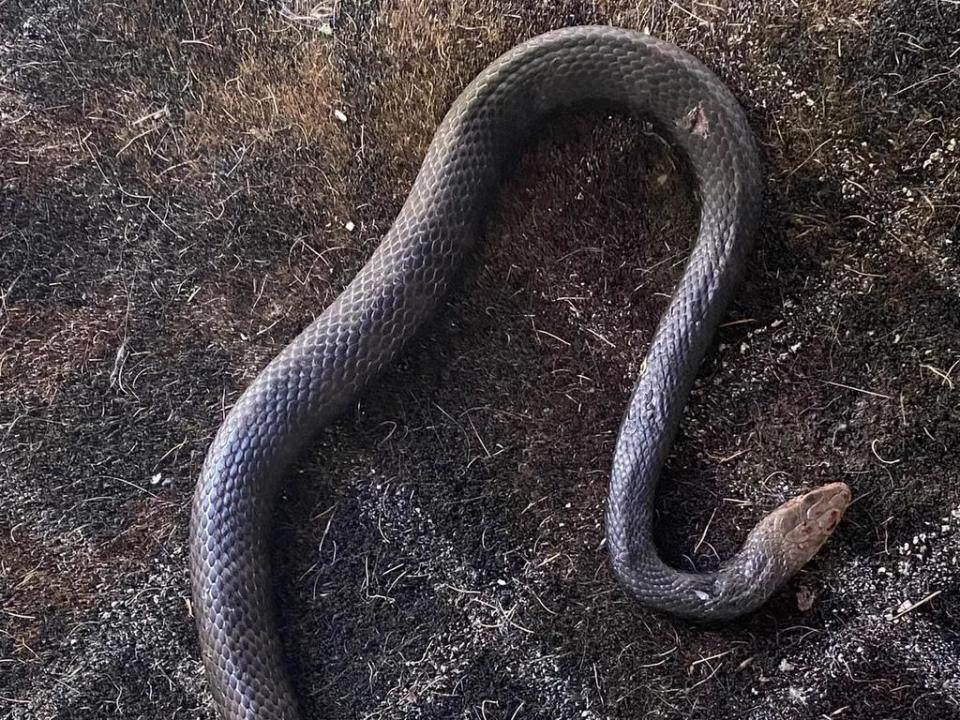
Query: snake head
x=795 y=531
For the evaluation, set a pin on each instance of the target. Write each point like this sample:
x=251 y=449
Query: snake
x=317 y=376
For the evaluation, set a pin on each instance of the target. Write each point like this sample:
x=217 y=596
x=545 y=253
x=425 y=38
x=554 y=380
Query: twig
x=917 y=604
x=859 y=390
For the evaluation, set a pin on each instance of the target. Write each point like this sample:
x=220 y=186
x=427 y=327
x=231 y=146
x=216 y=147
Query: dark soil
x=184 y=185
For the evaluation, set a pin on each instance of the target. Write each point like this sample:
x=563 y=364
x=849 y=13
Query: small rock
x=805 y=598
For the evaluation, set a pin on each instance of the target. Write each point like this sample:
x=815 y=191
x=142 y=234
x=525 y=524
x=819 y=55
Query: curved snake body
x=325 y=368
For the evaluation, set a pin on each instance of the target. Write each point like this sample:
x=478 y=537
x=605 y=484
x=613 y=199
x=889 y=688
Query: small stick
x=860 y=390
x=917 y=604
x=703 y=537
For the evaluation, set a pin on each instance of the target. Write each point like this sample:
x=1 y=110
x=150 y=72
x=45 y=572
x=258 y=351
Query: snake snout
x=808 y=520
x=824 y=506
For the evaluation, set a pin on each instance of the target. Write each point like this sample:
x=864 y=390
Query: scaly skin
x=324 y=369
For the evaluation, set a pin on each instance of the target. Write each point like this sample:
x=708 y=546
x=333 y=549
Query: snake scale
x=321 y=372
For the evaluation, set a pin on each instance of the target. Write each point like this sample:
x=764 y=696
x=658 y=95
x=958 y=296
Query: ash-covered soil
x=184 y=185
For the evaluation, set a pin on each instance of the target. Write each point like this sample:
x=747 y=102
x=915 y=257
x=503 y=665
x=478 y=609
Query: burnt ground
x=185 y=185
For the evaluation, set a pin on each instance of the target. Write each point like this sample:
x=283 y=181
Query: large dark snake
x=329 y=364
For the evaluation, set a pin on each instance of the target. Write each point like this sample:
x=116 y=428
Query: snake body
x=324 y=369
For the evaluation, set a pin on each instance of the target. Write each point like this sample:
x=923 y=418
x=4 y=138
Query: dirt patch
x=183 y=186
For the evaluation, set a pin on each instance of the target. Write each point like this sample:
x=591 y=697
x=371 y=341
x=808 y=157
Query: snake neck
x=739 y=585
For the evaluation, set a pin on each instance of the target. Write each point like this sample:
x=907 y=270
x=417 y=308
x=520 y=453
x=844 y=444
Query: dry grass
x=41 y=352
x=269 y=95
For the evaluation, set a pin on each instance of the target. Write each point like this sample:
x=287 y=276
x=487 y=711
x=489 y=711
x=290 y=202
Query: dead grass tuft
x=273 y=94
x=40 y=351
x=431 y=51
